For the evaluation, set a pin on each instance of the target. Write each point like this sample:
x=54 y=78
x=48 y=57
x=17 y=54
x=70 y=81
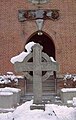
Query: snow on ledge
x=68 y=89
x=6 y=93
x=9 y=89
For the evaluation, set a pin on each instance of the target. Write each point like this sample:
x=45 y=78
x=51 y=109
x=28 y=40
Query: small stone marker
x=37 y=66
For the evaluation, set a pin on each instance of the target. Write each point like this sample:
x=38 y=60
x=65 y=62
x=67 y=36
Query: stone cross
x=41 y=62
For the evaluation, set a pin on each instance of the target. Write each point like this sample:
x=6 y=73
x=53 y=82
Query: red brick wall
x=13 y=34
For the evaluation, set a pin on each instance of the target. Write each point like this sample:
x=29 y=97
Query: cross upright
x=37 y=66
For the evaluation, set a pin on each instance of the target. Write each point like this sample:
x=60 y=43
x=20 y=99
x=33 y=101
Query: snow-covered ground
x=52 y=112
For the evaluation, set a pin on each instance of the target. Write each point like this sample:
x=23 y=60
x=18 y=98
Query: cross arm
x=50 y=66
x=21 y=67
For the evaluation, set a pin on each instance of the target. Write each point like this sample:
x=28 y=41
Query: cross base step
x=40 y=106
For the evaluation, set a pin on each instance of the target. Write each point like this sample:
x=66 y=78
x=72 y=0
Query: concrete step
x=46 y=97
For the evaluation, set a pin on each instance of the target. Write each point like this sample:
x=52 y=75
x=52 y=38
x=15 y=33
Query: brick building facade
x=60 y=34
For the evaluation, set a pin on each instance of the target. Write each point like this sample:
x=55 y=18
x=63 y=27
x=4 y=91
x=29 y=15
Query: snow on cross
x=21 y=56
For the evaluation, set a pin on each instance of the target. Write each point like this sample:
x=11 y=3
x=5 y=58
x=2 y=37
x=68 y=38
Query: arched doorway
x=46 y=41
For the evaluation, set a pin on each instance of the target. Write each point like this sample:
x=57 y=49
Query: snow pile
x=69 y=80
x=69 y=77
x=21 y=56
x=74 y=78
x=52 y=112
x=52 y=59
x=9 y=78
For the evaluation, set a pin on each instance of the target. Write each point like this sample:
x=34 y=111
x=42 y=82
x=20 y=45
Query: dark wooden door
x=48 y=85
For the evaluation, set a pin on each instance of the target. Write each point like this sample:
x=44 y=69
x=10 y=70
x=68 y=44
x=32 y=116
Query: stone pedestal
x=67 y=94
x=6 y=100
x=16 y=93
